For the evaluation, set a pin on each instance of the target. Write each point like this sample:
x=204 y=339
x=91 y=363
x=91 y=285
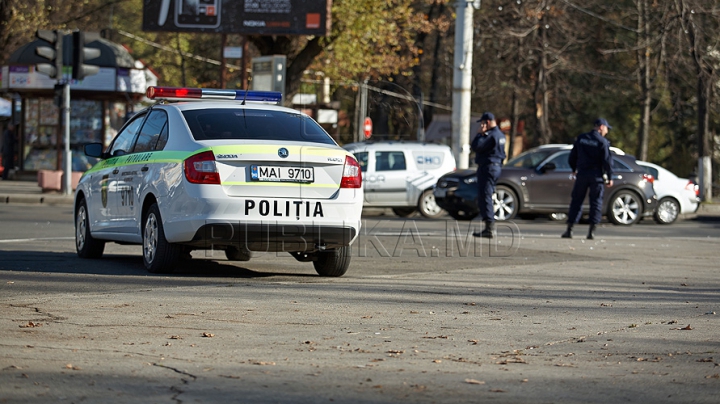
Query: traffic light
x=80 y=54
x=54 y=53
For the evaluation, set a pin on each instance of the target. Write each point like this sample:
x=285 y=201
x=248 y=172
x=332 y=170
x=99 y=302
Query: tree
x=697 y=22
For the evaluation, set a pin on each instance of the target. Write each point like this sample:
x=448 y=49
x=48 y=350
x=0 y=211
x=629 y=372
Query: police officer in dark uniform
x=591 y=162
x=489 y=148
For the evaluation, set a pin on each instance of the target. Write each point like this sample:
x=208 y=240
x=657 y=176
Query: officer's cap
x=602 y=121
x=488 y=116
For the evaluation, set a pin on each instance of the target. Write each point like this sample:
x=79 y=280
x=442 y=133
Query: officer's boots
x=568 y=232
x=489 y=231
x=591 y=232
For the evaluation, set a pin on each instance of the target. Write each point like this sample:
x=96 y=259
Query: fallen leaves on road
x=473 y=381
x=30 y=324
x=508 y=361
x=208 y=335
x=715 y=376
x=641 y=359
x=683 y=328
x=261 y=363
x=70 y=366
x=175 y=337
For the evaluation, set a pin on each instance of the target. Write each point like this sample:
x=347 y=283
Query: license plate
x=282 y=173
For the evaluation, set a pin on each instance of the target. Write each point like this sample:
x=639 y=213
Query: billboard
x=247 y=17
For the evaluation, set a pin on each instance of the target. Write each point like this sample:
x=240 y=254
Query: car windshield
x=249 y=124
x=530 y=158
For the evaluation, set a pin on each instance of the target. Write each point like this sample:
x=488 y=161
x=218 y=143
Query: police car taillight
x=649 y=178
x=352 y=175
x=201 y=169
x=180 y=93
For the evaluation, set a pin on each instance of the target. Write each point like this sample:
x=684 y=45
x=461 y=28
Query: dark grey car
x=539 y=181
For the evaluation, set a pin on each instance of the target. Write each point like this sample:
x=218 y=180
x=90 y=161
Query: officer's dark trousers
x=487 y=176
x=588 y=181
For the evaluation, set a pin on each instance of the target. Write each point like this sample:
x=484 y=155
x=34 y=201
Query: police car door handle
x=115 y=171
x=381 y=178
x=144 y=168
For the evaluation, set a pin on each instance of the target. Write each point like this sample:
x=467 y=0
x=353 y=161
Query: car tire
x=428 y=207
x=237 y=254
x=159 y=255
x=404 y=212
x=86 y=245
x=332 y=263
x=505 y=203
x=625 y=208
x=668 y=210
x=463 y=215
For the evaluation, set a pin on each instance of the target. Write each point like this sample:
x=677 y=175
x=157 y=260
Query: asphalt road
x=424 y=314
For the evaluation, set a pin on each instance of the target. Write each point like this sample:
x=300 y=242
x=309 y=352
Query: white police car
x=230 y=172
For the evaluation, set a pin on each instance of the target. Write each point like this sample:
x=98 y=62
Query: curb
x=37 y=199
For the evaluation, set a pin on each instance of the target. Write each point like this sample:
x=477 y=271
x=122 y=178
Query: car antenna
x=244 y=97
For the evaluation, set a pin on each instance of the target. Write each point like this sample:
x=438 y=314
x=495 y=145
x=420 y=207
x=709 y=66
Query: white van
x=400 y=175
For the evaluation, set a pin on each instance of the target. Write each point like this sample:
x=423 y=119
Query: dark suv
x=539 y=181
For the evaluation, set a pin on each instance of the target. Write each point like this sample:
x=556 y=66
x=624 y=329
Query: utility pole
x=362 y=111
x=462 y=79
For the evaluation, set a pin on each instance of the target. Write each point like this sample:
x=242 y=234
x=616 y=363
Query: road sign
x=367 y=127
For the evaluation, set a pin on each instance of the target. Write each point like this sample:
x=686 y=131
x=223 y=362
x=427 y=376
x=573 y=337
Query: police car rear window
x=247 y=124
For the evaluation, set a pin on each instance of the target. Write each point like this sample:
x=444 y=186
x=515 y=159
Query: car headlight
x=470 y=180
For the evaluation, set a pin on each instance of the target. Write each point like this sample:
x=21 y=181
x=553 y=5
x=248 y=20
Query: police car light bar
x=154 y=92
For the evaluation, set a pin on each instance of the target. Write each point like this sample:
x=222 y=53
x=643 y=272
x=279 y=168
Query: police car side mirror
x=547 y=167
x=94 y=150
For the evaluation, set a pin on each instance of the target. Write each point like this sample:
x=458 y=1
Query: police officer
x=591 y=163
x=489 y=148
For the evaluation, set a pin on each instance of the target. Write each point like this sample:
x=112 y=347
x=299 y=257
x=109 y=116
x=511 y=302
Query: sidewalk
x=28 y=192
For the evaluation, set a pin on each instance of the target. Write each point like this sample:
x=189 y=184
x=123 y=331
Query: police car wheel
x=159 y=256
x=404 y=212
x=667 y=211
x=332 y=262
x=505 y=203
x=87 y=246
x=428 y=207
x=237 y=254
x=625 y=208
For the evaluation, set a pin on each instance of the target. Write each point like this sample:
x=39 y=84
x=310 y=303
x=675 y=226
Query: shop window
x=42 y=133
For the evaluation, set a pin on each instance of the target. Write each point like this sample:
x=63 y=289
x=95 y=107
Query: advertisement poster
x=248 y=17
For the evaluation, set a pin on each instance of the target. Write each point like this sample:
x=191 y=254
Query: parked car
x=401 y=175
x=539 y=181
x=675 y=195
